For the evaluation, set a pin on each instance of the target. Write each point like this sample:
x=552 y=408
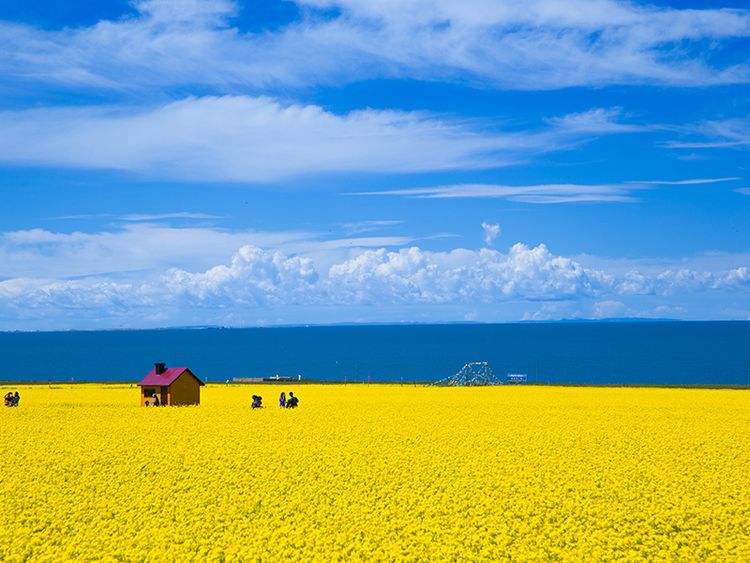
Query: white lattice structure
x=473 y=373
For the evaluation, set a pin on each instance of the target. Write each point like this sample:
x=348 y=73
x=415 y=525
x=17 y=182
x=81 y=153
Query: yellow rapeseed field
x=377 y=473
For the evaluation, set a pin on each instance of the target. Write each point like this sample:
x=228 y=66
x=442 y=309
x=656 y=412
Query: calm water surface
x=681 y=353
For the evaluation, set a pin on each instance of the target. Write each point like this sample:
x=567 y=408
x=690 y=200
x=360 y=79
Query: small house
x=172 y=386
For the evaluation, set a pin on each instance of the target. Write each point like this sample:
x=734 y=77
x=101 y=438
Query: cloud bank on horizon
x=217 y=162
x=258 y=286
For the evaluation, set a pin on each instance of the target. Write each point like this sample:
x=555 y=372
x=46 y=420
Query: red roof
x=169 y=376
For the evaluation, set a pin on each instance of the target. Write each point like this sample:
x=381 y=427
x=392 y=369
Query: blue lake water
x=670 y=353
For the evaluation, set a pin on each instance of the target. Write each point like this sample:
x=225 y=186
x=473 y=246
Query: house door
x=163 y=395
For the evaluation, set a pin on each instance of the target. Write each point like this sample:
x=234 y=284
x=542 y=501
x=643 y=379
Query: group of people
x=12 y=399
x=284 y=402
x=290 y=403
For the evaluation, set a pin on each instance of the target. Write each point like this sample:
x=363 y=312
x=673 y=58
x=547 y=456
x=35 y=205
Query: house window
x=147 y=392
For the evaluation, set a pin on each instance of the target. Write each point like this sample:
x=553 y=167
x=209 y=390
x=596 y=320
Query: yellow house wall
x=185 y=390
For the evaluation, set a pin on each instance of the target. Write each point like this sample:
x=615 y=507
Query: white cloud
x=491 y=232
x=595 y=121
x=538 y=44
x=254 y=276
x=553 y=311
x=414 y=275
x=140 y=248
x=601 y=310
x=142 y=217
x=256 y=282
x=689 y=182
x=136 y=247
x=242 y=138
x=736 y=278
x=357 y=227
x=543 y=193
x=729 y=133
x=609 y=309
x=82 y=303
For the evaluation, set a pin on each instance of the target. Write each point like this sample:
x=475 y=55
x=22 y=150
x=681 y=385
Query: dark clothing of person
x=257 y=402
x=292 y=402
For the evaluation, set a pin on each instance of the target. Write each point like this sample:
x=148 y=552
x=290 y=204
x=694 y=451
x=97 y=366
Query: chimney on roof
x=160 y=368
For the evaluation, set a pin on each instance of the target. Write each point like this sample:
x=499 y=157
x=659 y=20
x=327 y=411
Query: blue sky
x=186 y=162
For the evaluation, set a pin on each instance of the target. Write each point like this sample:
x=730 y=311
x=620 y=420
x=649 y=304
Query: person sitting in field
x=8 y=399
x=156 y=400
x=282 y=400
x=292 y=401
x=16 y=399
x=257 y=402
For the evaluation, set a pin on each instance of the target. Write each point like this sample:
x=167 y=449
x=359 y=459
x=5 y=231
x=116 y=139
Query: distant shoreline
x=614 y=320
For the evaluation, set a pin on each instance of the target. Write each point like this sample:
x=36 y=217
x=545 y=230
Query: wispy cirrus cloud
x=690 y=182
x=142 y=217
x=532 y=45
x=719 y=134
x=542 y=193
x=357 y=227
x=256 y=139
x=549 y=193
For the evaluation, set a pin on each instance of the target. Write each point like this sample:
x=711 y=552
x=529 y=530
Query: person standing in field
x=282 y=400
x=292 y=402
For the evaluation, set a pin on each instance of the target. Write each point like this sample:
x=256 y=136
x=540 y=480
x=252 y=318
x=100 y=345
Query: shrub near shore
x=380 y=472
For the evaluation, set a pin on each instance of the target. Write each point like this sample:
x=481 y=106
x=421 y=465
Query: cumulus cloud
x=414 y=275
x=79 y=303
x=491 y=232
x=243 y=138
x=253 y=277
x=257 y=279
x=536 y=44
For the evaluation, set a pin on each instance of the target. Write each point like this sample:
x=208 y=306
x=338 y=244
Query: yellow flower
x=377 y=473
